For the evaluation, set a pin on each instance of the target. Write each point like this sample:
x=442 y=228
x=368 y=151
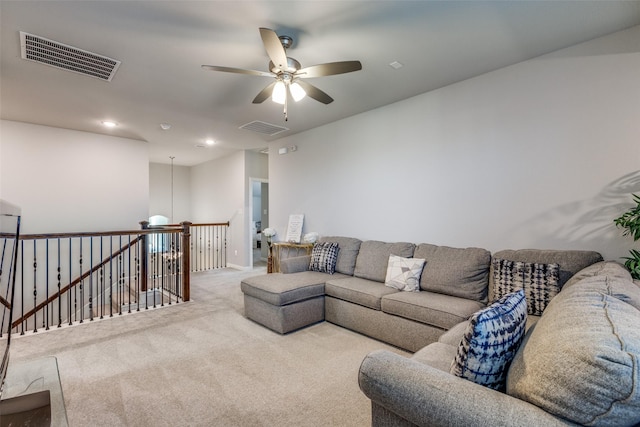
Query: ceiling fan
x=288 y=72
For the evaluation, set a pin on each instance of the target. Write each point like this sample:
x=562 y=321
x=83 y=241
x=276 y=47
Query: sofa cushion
x=358 y=291
x=281 y=289
x=443 y=311
x=581 y=360
x=455 y=271
x=454 y=335
x=625 y=288
x=492 y=338
x=347 y=253
x=603 y=268
x=570 y=261
x=373 y=258
x=539 y=282
x=323 y=257
x=437 y=355
x=404 y=273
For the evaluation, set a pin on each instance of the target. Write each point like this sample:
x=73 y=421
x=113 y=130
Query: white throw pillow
x=404 y=273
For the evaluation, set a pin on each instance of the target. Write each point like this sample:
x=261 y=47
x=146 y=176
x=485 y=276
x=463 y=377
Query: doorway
x=259 y=220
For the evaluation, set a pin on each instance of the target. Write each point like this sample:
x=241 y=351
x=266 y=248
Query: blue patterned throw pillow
x=323 y=257
x=491 y=341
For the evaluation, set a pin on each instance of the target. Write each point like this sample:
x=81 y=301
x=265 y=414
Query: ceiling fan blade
x=238 y=70
x=273 y=46
x=329 y=69
x=315 y=93
x=264 y=93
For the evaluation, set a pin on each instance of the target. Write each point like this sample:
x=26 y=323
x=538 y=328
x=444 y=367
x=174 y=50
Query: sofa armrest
x=426 y=396
x=295 y=264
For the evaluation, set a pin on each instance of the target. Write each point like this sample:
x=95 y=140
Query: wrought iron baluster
x=90 y=280
x=178 y=238
x=111 y=276
x=45 y=319
x=59 y=288
x=69 y=305
x=35 y=289
x=216 y=258
x=209 y=249
x=120 y=280
x=102 y=290
x=198 y=231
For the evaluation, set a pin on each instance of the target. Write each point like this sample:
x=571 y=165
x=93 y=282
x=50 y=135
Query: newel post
x=144 y=272
x=186 y=257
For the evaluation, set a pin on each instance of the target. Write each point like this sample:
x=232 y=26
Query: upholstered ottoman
x=285 y=302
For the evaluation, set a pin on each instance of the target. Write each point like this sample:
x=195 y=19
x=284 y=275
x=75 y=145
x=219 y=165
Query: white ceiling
x=163 y=43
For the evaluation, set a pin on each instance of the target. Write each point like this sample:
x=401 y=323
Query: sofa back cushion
x=347 y=253
x=603 y=268
x=373 y=258
x=457 y=272
x=580 y=360
x=570 y=262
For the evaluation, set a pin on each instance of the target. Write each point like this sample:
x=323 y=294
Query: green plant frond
x=632 y=263
x=629 y=221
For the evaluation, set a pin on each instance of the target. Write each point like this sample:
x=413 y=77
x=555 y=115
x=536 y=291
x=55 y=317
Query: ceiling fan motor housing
x=292 y=66
x=286 y=41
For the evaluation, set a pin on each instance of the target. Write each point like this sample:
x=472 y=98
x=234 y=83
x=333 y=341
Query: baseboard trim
x=239 y=267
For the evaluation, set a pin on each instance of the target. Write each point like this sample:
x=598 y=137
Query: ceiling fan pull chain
x=286 y=98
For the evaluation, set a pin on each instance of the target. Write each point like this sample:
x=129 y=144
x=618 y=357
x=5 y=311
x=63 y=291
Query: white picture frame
x=294 y=228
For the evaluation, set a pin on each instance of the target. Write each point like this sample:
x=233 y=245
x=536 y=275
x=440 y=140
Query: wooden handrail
x=207 y=224
x=99 y=233
x=71 y=285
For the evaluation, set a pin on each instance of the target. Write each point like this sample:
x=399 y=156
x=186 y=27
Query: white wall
x=160 y=192
x=542 y=154
x=214 y=191
x=68 y=181
x=217 y=194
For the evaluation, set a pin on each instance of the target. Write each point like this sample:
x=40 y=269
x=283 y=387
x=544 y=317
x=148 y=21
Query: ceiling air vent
x=49 y=52
x=263 y=128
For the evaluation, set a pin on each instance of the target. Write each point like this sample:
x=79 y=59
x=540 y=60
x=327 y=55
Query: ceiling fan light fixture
x=297 y=92
x=279 y=94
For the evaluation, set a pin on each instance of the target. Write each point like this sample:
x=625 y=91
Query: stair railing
x=70 y=278
x=208 y=244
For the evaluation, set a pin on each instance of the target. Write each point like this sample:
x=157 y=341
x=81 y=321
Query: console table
x=32 y=394
x=283 y=250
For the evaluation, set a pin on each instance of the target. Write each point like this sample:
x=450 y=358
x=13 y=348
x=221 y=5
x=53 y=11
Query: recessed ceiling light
x=396 y=65
x=109 y=124
x=210 y=142
x=165 y=126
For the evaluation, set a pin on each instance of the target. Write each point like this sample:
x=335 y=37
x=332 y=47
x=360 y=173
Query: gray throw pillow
x=539 y=281
x=323 y=257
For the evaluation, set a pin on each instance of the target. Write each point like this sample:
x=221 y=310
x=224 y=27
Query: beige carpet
x=202 y=363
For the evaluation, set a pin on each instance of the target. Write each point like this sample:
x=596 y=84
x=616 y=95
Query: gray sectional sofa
x=456 y=283
x=578 y=365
